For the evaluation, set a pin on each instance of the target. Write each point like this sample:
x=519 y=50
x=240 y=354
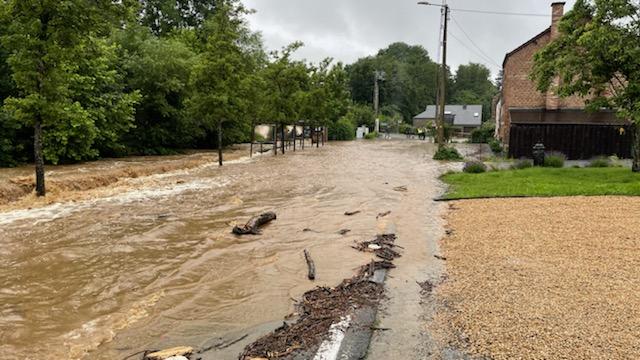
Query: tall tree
x=286 y=81
x=597 y=57
x=45 y=38
x=165 y=16
x=220 y=75
x=160 y=68
x=410 y=79
x=472 y=85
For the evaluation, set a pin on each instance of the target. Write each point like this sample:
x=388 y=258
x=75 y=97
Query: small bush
x=600 y=162
x=495 y=146
x=447 y=154
x=371 y=136
x=474 y=167
x=483 y=134
x=342 y=130
x=405 y=128
x=522 y=164
x=554 y=160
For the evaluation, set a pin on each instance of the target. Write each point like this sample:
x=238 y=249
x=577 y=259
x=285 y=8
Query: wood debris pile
x=383 y=246
x=318 y=309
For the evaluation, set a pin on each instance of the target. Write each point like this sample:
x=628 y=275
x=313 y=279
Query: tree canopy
x=411 y=81
x=597 y=57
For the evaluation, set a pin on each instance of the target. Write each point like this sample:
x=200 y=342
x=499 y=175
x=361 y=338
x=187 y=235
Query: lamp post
x=443 y=74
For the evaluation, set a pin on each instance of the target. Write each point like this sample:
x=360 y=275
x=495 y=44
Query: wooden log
x=310 y=265
x=252 y=227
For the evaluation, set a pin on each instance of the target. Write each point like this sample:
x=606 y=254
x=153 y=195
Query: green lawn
x=543 y=182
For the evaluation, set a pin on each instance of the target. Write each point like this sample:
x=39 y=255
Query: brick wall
x=519 y=91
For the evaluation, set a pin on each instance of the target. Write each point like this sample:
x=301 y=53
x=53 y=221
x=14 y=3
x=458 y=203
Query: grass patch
x=543 y=182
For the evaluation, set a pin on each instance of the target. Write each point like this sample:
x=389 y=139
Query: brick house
x=525 y=116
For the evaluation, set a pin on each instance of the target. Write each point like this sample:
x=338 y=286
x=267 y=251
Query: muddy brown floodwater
x=155 y=265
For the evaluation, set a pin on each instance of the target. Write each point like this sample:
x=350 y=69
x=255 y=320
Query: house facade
x=525 y=116
x=466 y=118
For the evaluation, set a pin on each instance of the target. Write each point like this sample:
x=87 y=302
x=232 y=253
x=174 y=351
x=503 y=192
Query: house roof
x=465 y=115
x=531 y=41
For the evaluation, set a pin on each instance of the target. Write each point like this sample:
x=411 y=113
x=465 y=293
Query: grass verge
x=543 y=182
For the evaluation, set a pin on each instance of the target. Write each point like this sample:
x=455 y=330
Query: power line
x=500 y=13
x=480 y=56
x=487 y=57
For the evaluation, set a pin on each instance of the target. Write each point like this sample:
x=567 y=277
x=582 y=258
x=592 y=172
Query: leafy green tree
x=472 y=85
x=45 y=39
x=286 y=82
x=165 y=16
x=160 y=69
x=410 y=83
x=327 y=99
x=597 y=57
x=220 y=75
x=361 y=115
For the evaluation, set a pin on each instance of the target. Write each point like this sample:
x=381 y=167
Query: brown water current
x=152 y=263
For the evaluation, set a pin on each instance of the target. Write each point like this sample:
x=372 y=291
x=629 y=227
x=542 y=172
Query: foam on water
x=61 y=210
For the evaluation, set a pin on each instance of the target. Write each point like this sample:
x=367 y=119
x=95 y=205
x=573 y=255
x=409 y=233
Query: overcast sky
x=350 y=29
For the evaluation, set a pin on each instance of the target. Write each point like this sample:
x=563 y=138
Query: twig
x=310 y=265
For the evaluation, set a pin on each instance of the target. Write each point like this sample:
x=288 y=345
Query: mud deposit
x=150 y=262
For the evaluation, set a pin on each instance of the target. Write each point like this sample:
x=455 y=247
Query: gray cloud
x=349 y=29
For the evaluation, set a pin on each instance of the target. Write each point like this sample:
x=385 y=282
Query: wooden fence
x=575 y=141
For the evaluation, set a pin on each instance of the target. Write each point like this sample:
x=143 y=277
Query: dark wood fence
x=575 y=141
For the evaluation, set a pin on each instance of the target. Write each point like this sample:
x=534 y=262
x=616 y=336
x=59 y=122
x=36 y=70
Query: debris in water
x=344 y=231
x=381 y=215
x=253 y=226
x=310 y=265
x=351 y=213
x=319 y=309
x=382 y=246
x=426 y=287
x=168 y=353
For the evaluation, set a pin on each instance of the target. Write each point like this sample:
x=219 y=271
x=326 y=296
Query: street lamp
x=443 y=74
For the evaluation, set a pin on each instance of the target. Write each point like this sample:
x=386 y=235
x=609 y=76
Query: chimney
x=557 y=12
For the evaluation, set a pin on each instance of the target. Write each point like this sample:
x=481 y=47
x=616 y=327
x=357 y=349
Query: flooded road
x=154 y=264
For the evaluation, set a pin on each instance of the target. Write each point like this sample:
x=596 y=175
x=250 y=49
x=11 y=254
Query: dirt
x=543 y=278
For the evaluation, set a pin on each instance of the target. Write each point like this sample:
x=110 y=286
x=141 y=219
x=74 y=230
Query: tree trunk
x=39 y=158
x=253 y=139
x=275 y=140
x=252 y=227
x=636 y=148
x=283 y=136
x=220 y=143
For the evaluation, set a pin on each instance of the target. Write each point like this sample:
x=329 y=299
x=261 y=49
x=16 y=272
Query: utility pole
x=443 y=79
x=379 y=76
x=442 y=88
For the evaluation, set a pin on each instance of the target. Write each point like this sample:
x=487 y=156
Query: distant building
x=464 y=117
x=525 y=116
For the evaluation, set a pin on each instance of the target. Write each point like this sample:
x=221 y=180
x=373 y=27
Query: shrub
x=483 y=134
x=447 y=154
x=405 y=128
x=448 y=132
x=554 y=160
x=343 y=129
x=522 y=164
x=371 y=136
x=495 y=146
x=600 y=162
x=474 y=167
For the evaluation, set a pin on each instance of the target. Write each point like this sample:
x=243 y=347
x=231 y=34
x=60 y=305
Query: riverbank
x=76 y=182
x=541 y=278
